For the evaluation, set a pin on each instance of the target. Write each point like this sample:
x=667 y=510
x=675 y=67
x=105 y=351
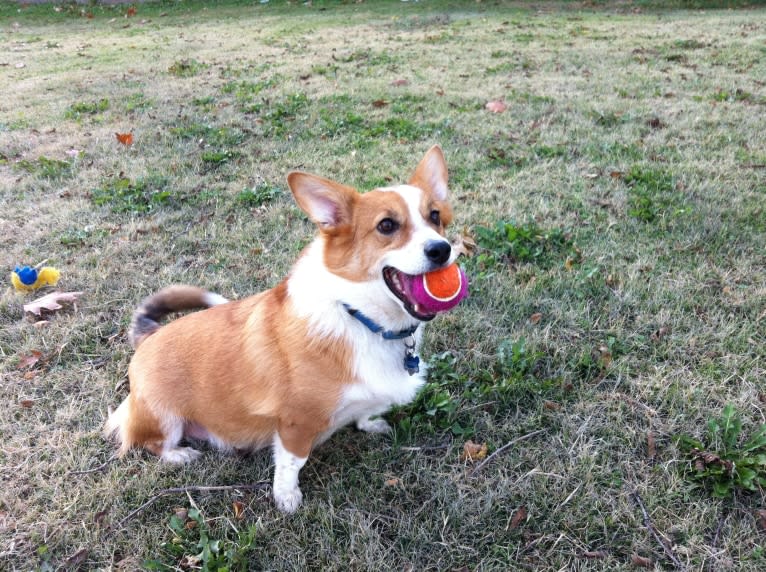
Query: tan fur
x=242 y=370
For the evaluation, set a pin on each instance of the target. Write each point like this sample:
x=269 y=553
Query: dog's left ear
x=327 y=203
x=431 y=174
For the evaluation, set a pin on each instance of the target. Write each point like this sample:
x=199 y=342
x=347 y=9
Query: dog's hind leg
x=133 y=424
x=173 y=432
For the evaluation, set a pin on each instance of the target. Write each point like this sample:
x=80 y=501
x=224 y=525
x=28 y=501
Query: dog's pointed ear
x=327 y=203
x=431 y=174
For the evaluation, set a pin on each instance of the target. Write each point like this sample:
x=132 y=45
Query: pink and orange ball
x=441 y=290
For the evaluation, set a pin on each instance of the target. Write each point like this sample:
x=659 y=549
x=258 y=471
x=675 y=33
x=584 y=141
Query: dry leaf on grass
x=518 y=517
x=51 y=302
x=651 y=446
x=473 y=451
x=239 y=509
x=760 y=519
x=535 y=318
x=642 y=561
x=594 y=554
x=551 y=405
x=30 y=360
x=496 y=106
x=124 y=138
x=464 y=244
x=75 y=560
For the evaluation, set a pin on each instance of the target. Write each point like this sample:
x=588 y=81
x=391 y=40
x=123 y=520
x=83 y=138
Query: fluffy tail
x=171 y=299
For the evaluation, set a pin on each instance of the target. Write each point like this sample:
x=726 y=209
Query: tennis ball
x=440 y=290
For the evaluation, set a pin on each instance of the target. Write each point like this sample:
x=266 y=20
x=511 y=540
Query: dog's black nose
x=438 y=251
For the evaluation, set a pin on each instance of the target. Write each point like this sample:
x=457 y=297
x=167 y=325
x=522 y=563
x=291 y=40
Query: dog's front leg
x=287 y=494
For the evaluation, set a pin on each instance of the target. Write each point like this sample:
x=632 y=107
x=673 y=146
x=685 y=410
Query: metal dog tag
x=411 y=361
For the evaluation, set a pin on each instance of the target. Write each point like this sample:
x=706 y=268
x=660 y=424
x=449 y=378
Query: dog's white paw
x=289 y=500
x=373 y=425
x=180 y=455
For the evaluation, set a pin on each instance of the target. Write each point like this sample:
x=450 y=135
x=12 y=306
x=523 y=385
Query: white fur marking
x=373 y=425
x=179 y=455
x=287 y=495
x=213 y=299
x=411 y=258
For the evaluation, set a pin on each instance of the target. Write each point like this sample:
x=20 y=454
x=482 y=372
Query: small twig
x=425 y=448
x=187 y=490
x=101 y=467
x=648 y=523
x=509 y=444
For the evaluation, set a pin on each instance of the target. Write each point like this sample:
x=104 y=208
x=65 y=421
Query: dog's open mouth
x=401 y=285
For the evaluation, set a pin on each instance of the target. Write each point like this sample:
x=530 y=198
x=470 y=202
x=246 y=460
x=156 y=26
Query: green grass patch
x=45 y=167
x=188 y=67
x=124 y=195
x=730 y=460
x=511 y=243
x=652 y=194
x=85 y=108
x=259 y=195
x=196 y=545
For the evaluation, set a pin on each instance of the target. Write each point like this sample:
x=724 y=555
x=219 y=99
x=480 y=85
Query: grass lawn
x=618 y=289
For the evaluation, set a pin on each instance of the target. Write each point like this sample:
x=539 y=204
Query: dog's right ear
x=327 y=203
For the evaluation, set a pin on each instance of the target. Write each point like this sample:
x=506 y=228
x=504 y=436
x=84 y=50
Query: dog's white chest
x=381 y=382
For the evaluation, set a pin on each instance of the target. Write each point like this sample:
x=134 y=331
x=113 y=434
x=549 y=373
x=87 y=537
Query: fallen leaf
x=569 y=263
x=239 y=509
x=660 y=333
x=181 y=513
x=189 y=562
x=595 y=554
x=400 y=82
x=642 y=561
x=26 y=403
x=473 y=451
x=651 y=446
x=51 y=302
x=760 y=516
x=535 y=318
x=392 y=482
x=31 y=374
x=519 y=516
x=604 y=355
x=74 y=561
x=464 y=244
x=125 y=138
x=496 y=106
x=551 y=405
x=616 y=174
x=131 y=12
x=30 y=360
x=379 y=103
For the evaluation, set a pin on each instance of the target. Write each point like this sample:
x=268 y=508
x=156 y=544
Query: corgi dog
x=334 y=343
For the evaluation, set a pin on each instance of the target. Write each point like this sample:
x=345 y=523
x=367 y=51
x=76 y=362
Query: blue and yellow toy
x=28 y=278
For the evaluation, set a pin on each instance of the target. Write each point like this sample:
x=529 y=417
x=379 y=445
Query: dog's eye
x=387 y=226
x=435 y=217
